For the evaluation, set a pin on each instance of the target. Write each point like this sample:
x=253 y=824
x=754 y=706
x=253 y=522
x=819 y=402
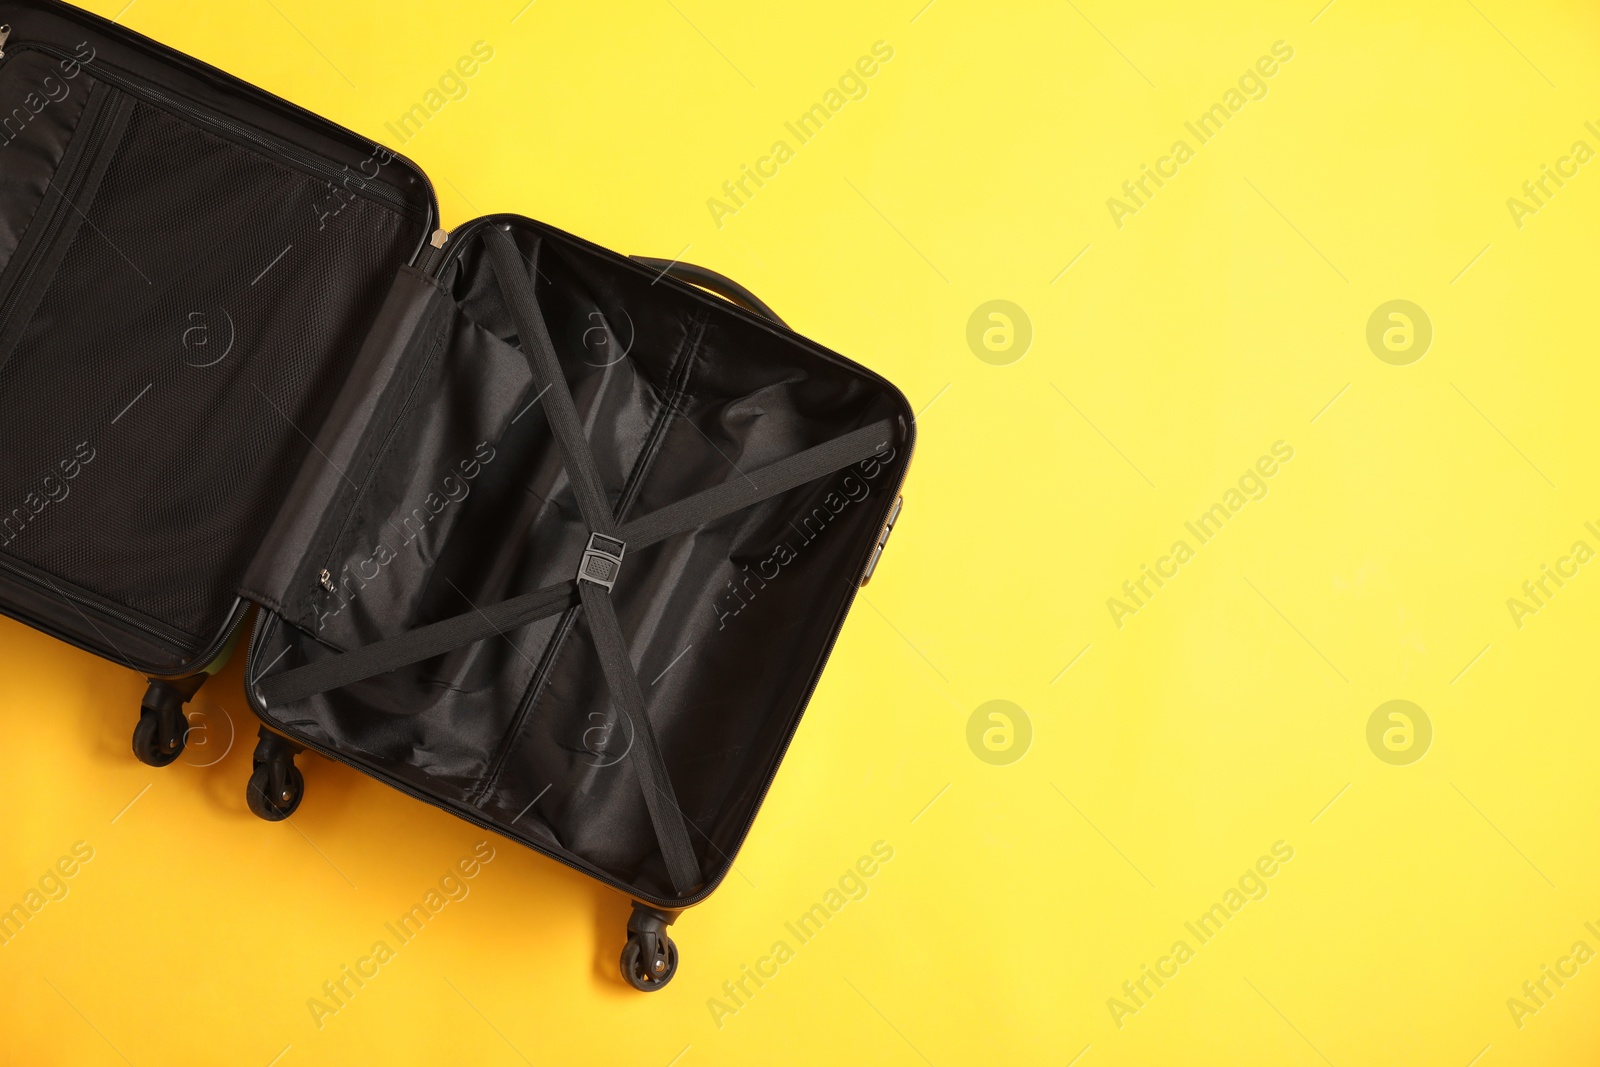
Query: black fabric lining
x=479 y=624
x=33 y=154
x=505 y=735
x=55 y=224
x=682 y=372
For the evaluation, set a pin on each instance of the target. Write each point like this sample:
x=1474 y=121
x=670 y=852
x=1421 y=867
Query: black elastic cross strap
x=672 y=833
x=711 y=504
x=671 y=827
x=560 y=410
x=413 y=646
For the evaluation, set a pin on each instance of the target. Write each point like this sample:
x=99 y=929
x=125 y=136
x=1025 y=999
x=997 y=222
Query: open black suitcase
x=544 y=536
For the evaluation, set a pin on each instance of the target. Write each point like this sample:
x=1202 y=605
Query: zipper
x=434 y=254
x=5 y=35
x=212 y=122
x=325 y=576
x=67 y=191
x=96 y=604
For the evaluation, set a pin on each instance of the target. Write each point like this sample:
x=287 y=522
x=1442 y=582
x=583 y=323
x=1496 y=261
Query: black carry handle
x=710 y=280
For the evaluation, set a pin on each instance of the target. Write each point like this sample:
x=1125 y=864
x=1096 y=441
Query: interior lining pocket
x=412 y=495
x=40 y=107
x=68 y=197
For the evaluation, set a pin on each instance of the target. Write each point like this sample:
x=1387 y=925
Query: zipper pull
x=434 y=253
x=5 y=35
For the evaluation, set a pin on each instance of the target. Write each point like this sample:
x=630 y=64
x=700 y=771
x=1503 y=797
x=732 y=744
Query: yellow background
x=1228 y=714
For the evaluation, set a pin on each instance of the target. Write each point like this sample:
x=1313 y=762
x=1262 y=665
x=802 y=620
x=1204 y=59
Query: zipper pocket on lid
x=325 y=577
x=238 y=133
x=67 y=186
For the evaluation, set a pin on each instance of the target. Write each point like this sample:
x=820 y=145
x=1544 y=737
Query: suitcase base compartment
x=457 y=499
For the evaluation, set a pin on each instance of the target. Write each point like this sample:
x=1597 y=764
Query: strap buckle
x=602 y=561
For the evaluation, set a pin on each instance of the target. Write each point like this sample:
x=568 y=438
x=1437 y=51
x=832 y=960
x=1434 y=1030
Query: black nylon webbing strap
x=670 y=824
x=672 y=833
x=413 y=646
x=735 y=495
x=576 y=456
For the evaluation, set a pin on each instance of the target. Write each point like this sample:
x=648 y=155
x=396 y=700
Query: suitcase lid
x=188 y=266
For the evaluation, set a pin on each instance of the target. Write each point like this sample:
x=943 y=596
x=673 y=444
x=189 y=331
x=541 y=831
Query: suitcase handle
x=711 y=281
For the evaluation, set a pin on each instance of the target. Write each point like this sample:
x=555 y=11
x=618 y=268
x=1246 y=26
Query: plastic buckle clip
x=602 y=561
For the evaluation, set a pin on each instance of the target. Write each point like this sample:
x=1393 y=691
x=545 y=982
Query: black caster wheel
x=272 y=800
x=650 y=958
x=276 y=785
x=163 y=727
x=648 y=972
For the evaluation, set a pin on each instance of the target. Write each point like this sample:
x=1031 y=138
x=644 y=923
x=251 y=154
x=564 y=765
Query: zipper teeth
x=273 y=146
x=206 y=119
x=388 y=441
x=52 y=222
x=96 y=603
